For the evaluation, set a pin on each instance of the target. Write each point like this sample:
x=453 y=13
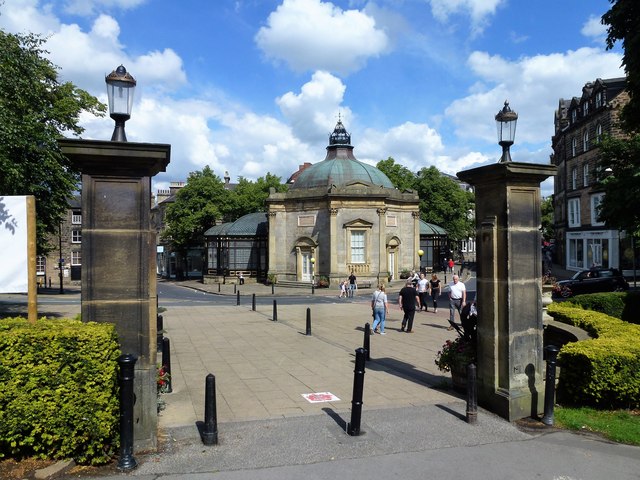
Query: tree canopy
x=442 y=201
x=35 y=111
x=204 y=201
x=622 y=21
x=547 y=218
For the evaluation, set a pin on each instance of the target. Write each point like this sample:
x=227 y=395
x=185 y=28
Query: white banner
x=14 y=270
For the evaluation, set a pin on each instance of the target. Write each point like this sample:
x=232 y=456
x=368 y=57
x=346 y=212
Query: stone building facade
x=342 y=216
x=582 y=239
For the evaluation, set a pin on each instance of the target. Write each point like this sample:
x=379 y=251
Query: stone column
x=416 y=241
x=383 y=261
x=273 y=255
x=334 y=248
x=509 y=292
x=118 y=257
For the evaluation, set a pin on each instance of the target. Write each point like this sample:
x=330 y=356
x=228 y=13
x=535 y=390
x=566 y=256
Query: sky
x=256 y=86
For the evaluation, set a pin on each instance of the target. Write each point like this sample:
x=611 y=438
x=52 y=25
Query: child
x=343 y=289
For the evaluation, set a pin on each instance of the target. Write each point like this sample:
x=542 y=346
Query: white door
x=392 y=264
x=306 y=267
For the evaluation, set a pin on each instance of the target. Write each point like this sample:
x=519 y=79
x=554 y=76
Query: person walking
x=457 y=299
x=380 y=308
x=343 y=289
x=352 y=284
x=423 y=291
x=434 y=287
x=408 y=299
x=451 y=264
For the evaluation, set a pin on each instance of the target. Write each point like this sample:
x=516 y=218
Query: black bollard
x=472 y=395
x=218 y=287
x=272 y=289
x=166 y=361
x=308 y=321
x=445 y=279
x=127 y=398
x=367 y=341
x=159 y=334
x=313 y=289
x=353 y=428
x=209 y=434
x=253 y=302
x=275 y=311
x=238 y=299
x=550 y=384
x=235 y=288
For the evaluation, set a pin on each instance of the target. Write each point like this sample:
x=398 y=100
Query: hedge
x=59 y=390
x=622 y=305
x=603 y=371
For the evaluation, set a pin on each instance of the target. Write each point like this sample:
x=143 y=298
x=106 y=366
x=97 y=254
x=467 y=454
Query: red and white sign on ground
x=320 y=397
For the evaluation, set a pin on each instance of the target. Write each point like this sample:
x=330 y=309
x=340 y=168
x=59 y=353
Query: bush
x=622 y=305
x=602 y=372
x=59 y=390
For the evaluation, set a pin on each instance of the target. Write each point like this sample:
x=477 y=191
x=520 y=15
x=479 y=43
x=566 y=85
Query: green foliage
x=622 y=22
x=622 y=305
x=442 y=201
x=605 y=371
x=59 y=390
x=35 y=111
x=547 y=218
x=203 y=201
x=455 y=355
x=619 y=177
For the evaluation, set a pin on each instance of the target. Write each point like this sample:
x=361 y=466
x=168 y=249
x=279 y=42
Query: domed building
x=342 y=215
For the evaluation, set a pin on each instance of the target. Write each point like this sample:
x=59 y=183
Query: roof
x=340 y=166
x=252 y=224
x=431 y=229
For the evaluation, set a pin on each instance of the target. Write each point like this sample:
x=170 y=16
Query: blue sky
x=256 y=86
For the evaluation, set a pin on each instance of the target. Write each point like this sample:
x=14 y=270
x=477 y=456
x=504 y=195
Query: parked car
x=591 y=281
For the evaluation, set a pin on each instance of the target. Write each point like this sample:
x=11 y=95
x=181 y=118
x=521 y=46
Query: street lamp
x=506 y=121
x=420 y=253
x=313 y=274
x=120 y=88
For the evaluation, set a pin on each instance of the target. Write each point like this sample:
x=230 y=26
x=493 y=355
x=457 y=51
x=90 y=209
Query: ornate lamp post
x=313 y=270
x=420 y=254
x=120 y=88
x=506 y=121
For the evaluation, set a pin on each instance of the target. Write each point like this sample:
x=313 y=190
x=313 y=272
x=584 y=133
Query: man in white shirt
x=457 y=298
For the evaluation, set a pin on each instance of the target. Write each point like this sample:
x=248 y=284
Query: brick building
x=582 y=239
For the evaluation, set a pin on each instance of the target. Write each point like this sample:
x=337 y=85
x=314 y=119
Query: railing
x=358 y=268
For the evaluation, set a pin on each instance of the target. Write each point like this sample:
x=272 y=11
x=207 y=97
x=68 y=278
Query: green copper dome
x=340 y=166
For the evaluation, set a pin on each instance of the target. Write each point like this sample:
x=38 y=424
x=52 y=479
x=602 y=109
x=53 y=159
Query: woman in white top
x=380 y=307
x=423 y=291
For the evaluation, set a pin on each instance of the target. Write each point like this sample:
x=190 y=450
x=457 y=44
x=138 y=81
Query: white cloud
x=478 y=11
x=24 y=16
x=314 y=109
x=316 y=35
x=89 y=7
x=533 y=86
x=594 y=28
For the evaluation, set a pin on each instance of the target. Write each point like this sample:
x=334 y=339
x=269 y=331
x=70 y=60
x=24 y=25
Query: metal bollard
x=127 y=399
x=160 y=328
x=272 y=289
x=218 y=287
x=235 y=288
x=209 y=434
x=253 y=302
x=472 y=395
x=353 y=428
x=308 y=321
x=275 y=311
x=367 y=341
x=550 y=384
x=166 y=361
x=313 y=289
x=238 y=299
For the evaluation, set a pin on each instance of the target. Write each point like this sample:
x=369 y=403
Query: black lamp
x=120 y=88
x=506 y=121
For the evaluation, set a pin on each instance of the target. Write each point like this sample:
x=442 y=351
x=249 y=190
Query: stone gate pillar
x=509 y=288
x=118 y=257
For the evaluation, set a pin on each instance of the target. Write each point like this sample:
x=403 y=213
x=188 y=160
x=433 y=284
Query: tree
x=444 y=203
x=619 y=176
x=401 y=177
x=547 y=218
x=622 y=22
x=35 y=111
x=198 y=205
x=250 y=197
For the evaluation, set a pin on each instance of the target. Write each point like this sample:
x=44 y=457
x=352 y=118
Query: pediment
x=358 y=223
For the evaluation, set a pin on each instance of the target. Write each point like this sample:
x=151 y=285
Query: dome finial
x=340 y=136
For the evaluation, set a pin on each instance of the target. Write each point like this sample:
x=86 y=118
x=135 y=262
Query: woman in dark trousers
x=434 y=283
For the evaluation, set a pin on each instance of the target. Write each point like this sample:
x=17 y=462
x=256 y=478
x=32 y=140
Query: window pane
x=357 y=247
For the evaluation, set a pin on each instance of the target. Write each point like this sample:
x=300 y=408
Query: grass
x=622 y=426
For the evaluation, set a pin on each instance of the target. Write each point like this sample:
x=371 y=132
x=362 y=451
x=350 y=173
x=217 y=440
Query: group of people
x=348 y=287
x=415 y=296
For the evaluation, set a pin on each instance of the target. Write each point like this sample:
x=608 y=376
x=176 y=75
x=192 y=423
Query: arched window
x=598 y=133
x=574 y=146
x=585 y=140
